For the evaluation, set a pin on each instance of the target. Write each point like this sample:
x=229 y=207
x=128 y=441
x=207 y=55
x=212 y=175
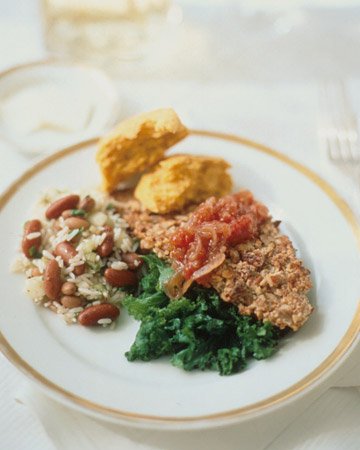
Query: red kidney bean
x=107 y=246
x=133 y=260
x=31 y=247
x=87 y=203
x=67 y=252
x=52 y=280
x=71 y=301
x=91 y=315
x=62 y=204
x=120 y=278
x=76 y=222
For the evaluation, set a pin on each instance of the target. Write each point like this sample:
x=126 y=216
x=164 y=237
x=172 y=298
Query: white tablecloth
x=282 y=114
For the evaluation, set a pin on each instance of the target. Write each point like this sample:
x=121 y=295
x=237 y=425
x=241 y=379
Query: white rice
x=20 y=264
x=34 y=235
x=99 y=219
x=76 y=310
x=104 y=321
x=71 y=235
x=40 y=264
x=48 y=255
x=119 y=265
x=60 y=262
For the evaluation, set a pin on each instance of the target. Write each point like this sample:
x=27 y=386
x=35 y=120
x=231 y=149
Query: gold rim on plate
x=298 y=387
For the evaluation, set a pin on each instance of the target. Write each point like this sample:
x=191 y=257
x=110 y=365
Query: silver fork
x=338 y=131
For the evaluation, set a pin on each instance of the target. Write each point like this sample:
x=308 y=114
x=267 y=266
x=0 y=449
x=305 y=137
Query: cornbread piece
x=137 y=144
x=181 y=180
x=263 y=276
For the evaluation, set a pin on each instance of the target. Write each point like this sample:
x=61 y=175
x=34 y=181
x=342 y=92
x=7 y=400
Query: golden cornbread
x=137 y=144
x=181 y=180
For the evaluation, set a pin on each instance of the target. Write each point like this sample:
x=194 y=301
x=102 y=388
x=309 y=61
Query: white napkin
x=78 y=431
x=331 y=422
x=352 y=378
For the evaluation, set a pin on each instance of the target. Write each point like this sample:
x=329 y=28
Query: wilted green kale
x=198 y=331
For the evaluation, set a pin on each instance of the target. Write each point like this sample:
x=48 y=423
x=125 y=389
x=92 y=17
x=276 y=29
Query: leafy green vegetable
x=198 y=331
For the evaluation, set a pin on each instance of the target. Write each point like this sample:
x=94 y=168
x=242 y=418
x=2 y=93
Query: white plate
x=86 y=368
x=68 y=103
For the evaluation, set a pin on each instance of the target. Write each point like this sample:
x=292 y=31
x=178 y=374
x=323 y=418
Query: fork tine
x=328 y=134
x=348 y=130
x=355 y=150
x=335 y=91
x=323 y=120
x=339 y=129
x=354 y=146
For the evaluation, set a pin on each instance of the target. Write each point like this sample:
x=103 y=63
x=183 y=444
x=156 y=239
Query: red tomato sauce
x=200 y=244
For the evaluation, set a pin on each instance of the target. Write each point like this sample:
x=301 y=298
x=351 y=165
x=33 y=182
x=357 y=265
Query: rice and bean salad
x=78 y=257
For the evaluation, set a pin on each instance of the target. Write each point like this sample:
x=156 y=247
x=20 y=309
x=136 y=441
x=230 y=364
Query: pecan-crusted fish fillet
x=263 y=276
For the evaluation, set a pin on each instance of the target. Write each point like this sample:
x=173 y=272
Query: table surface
x=233 y=59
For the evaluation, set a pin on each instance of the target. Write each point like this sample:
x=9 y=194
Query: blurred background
x=189 y=39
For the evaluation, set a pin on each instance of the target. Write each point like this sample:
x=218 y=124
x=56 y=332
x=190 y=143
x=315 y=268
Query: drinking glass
x=103 y=31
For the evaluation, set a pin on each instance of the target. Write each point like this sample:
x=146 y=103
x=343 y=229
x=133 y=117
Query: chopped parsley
x=78 y=212
x=198 y=331
x=74 y=233
x=34 y=252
